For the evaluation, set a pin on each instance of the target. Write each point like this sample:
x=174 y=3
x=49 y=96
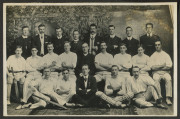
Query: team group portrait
x=89 y=60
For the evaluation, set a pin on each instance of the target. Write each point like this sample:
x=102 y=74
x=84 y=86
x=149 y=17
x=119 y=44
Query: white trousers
x=168 y=83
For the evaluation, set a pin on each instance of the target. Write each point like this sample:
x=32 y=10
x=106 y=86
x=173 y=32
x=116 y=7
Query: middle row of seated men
x=103 y=63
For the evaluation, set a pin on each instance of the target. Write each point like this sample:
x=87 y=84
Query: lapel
x=88 y=83
x=83 y=84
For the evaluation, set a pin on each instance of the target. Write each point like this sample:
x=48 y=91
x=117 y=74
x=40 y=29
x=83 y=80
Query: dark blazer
x=37 y=43
x=90 y=85
x=59 y=44
x=89 y=60
x=77 y=47
x=132 y=46
x=110 y=44
x=149 y=43
x=97 y=41
x=26 y=44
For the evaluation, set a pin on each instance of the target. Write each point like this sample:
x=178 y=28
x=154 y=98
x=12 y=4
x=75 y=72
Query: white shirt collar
x=59 y=37
x=112 y=36
x=24 y=36
x=92 y=35
x=76 y=40
x=149 y=34
x=129 y=38
x=86 y=76
x=85 y=54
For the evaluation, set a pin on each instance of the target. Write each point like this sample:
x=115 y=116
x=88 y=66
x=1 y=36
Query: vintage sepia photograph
x=90 y=59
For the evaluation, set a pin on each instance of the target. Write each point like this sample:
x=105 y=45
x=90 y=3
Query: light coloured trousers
x=168 y=83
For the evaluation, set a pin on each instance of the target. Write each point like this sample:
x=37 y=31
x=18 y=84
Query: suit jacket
x=148 y=43
x=97 y=41
x=59 y=44
x=26 y=44
x=132 y=46
x=37 y=43
x=90 y=85
x=110 y=44
x=77 y=47
x=89 y=60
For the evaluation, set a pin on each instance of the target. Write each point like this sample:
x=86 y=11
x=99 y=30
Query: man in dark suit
x=76 y=44
x=131 y=43
x=85 y=58
x=148 y=40
x=25 y=41
x=93 y=40
x=85 y=89
x=112 y=41
x=58 y=41
x=41 y=40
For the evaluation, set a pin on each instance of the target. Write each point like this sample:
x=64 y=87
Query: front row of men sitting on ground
x=60 y=84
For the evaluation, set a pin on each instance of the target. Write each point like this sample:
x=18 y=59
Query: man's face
x=50 y=48
x=111 y=30
x=18 y=52
x=41 y=30
x=67 y=47
x=149 y=29
x=140 y=51
x=158 y=46
x=34 y=51
x=114 y=71
x=76 y=35
x=85 y=70
x=47 y=72
x=123 y=49
x=59 y=32
x=103 y=46
x=129 y=32
x=66 y=74
x=93 y=29
x=85 y=48
x=135 y=72
x=25 y=31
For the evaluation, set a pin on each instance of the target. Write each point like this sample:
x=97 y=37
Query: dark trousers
x=101 y=85
x=85 y=99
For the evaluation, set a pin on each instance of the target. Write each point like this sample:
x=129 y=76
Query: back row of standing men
x=93 y=39
x=83 y=53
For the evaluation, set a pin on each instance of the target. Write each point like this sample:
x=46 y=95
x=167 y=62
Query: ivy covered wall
x=80 y=17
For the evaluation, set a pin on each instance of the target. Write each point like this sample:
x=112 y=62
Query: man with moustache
x=112 y=41
x=149 y=39
x=25 y=41
x=58 y=41
x=103 y=62
x=131 y=43
x=143 y=89
x=50 y=60
x=93 y=40
x=41 y=40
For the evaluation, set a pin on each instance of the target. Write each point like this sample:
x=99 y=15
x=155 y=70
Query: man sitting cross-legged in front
x=144 y=89
x=33 y=66
x=85 y=89
x=115 y=89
